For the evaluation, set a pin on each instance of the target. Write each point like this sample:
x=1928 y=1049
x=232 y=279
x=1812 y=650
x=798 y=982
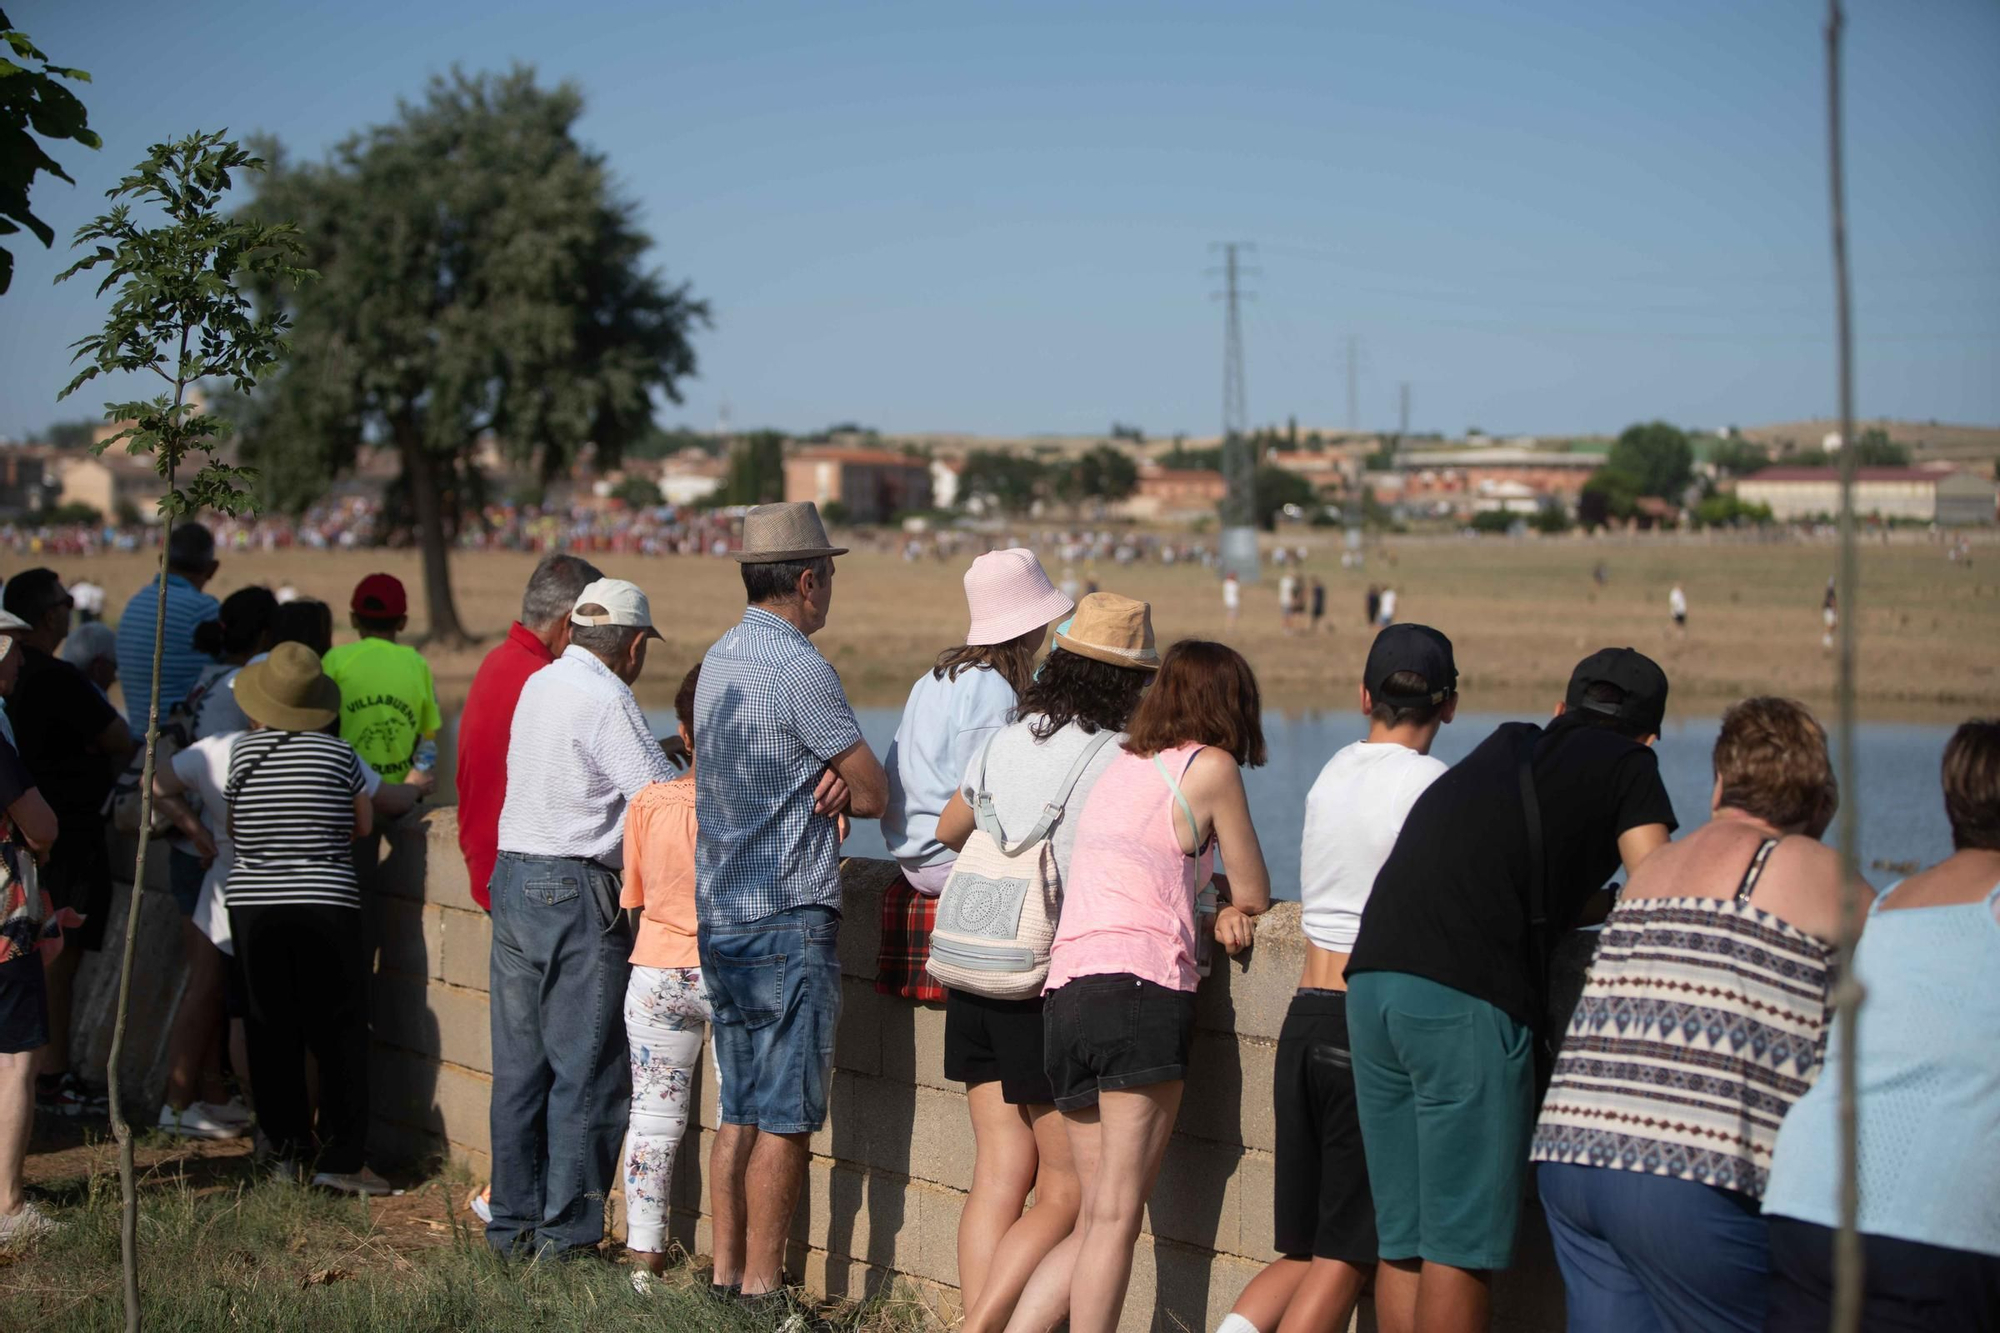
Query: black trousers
x=305 y=972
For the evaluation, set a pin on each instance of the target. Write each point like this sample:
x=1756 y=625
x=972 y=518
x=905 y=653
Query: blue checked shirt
x=769 y=714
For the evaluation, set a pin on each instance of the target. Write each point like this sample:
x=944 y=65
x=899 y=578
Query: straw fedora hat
x=1114 y=629
x=1009 y=594
x=784 y=532
x=287 y=691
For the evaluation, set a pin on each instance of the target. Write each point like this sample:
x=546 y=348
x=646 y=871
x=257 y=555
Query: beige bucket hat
x=1114 y=629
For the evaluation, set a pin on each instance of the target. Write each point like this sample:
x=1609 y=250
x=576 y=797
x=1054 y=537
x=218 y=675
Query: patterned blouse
x=1701 y=1022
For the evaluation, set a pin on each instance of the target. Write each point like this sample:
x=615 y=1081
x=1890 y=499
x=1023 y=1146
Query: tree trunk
x=419 y=467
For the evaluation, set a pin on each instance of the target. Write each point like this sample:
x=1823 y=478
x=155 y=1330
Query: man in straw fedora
x=778 y=756
x=578 y=751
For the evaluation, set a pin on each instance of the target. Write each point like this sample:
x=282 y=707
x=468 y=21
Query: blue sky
x=996 y=218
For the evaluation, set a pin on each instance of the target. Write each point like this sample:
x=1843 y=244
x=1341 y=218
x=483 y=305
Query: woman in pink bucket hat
x=953 y=708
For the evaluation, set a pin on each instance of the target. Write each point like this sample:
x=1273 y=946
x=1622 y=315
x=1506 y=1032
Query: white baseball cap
x=623 y=603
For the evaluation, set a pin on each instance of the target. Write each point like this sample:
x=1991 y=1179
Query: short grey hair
x=89 y=642
x=607 y=643
x=554 y=587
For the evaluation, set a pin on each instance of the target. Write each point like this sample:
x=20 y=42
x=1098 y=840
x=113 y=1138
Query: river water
x=1902 y=807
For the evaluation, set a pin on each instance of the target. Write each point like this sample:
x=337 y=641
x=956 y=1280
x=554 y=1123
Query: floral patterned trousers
x=666 y=1015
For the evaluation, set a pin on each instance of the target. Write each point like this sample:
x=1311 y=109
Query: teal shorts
x=1445 y=1086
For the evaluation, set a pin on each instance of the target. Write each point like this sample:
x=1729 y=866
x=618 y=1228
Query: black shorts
x=988 y=1041
x=1322 y=1205
x=78 y=875
x=24 y=1005
x=1110 y=1032
x=1911 y=1286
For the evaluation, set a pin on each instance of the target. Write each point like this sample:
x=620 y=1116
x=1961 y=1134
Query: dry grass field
x=1520 y=613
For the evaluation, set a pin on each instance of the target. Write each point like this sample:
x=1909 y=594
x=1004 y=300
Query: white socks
x=1235 y=1323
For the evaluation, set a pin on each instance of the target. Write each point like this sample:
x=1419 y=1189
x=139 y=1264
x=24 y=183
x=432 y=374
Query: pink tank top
x=1128 y=899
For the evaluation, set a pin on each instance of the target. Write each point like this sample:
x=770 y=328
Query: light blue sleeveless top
x=1929 y=1081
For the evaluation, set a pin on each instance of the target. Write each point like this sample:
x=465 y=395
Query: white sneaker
x=363 y=1181
x=26 y=1225
x=199 y=1121
x=481 y=1204
x=234 y=1111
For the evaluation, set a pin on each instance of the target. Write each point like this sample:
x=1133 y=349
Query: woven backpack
x=997 y=915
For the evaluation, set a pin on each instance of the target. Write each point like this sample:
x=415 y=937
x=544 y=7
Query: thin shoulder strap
x=1756 y=870
x=1194 y=826
x=1538 y=871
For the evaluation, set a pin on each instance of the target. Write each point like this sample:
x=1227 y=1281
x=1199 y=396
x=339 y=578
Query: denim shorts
x=774 y=987
x=1111 y=1032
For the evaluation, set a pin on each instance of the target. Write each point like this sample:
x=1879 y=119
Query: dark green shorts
x=1445 y=1085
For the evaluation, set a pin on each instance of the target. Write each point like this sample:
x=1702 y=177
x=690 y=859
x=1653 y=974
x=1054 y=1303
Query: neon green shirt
x=387 y=702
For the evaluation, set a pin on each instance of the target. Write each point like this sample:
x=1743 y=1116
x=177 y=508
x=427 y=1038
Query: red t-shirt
x=483 y=729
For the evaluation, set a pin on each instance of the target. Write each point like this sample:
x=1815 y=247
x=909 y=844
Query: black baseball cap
x=1418 y=649
x=32 y=592
x=1638 y=675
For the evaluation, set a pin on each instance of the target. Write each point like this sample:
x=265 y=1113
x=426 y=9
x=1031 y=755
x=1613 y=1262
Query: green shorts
x=1445 y=1085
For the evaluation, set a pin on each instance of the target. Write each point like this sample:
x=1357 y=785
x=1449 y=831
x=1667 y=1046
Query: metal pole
x=1847 y=1256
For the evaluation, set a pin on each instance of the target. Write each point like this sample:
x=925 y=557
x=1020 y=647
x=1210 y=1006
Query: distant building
x=691 y=477
x=1164 y=493
x=1444 y=472
x=111 y=483
x=1924 y=495
x=26 y=488
x=871 y=485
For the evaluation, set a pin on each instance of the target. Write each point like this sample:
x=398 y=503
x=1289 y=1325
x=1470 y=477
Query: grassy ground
x=223 y=1250
x=1521 y=612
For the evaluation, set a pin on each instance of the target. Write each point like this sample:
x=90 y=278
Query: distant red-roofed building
x=870 y=485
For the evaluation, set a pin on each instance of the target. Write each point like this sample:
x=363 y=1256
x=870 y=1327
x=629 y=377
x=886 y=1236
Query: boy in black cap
x=1448 y=975
x=1324 y=1218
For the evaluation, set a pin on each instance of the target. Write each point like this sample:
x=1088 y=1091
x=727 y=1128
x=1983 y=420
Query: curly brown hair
x=1771 y=761
x=1071 y=688
x=1205 y=694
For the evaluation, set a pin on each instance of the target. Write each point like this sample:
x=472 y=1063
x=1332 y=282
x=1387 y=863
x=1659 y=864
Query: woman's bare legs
x=1045 y=1300
x=1003 y=1171
x=194 y=1045
x=1058 y=1195
x=1133 y=1127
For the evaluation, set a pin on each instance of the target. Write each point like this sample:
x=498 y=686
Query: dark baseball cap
x=1417 y=649
x=381 y=596
x=1638 y=675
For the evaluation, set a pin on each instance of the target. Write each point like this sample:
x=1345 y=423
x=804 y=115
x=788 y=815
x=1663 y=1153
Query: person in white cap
x=579 y=750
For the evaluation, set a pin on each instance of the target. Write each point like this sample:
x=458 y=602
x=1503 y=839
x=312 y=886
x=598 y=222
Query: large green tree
x=481 y=275
x=1656 y=456
x=1102 y=474
x=32 y=103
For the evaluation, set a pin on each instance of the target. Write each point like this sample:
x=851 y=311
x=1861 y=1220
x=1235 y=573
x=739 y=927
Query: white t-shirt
x=1353 y=813
x=203 y=767
x=1677 y=602
x=1388 y=607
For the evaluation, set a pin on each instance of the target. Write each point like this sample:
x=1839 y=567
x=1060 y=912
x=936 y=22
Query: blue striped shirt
x=769 y=714
x=180 y=664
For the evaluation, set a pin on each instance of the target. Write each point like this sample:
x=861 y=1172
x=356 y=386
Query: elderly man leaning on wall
x=778 y=757
x=579 y=750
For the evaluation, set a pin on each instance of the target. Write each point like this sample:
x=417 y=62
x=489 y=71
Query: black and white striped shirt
x=291 y=816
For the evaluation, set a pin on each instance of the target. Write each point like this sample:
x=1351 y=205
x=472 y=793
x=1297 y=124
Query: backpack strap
x=1538 y=871
x=983 y=814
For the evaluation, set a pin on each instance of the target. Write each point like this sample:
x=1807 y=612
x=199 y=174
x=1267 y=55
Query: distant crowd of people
x=1076 y=849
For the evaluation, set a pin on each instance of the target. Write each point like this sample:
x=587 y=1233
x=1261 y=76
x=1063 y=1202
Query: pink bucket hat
x=1009 y=595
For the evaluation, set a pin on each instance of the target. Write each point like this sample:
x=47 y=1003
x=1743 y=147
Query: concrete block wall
x=889 y=1172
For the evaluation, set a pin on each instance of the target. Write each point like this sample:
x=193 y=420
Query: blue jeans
x=1654 y=1254
x=560 y=1077
x=774 y=987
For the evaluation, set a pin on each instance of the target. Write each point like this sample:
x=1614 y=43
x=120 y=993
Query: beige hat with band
x=784 y=532
x=288 y=691
x=1114 y=629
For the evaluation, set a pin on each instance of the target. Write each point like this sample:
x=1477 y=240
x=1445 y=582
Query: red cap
x=380 y=596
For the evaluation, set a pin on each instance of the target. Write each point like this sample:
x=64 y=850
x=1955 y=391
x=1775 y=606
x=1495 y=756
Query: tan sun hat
x=784 y=532
x=287 y=691
x=1114 y=629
